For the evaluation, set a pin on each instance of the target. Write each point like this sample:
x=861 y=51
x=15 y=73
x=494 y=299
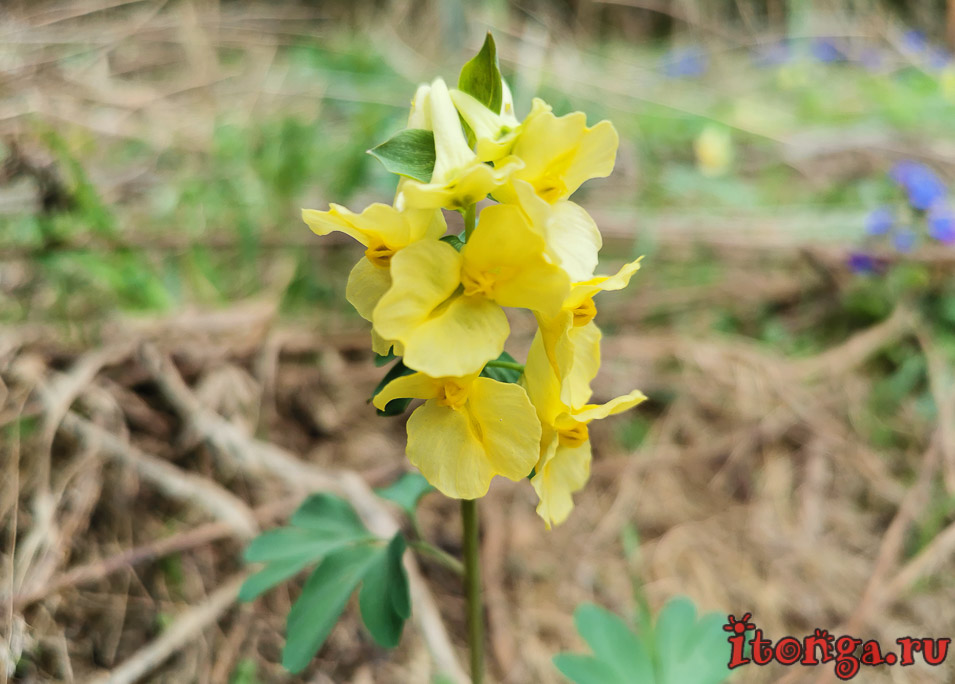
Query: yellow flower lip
x=584 y=312
x=452 y=394
x=573 y=436
x=479 y=283
x=380 y=254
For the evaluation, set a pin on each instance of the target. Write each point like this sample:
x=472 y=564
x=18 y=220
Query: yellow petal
x=541 y=382
x=563 y=474
x=382 y=347
x=467 y=334
x=572 y=237
x=578 y=360
x=420 y=114
x=506 y=258
x=465 y=186
x=511 y=431
x=560 y=153
x=443 y=332
x=366 y=285
x=494 y=133
x=381 y=228
x=583 y=290
x=451 y=149
x=597 y=411
x=443 y=447
x=459 y=451
x=413 y=386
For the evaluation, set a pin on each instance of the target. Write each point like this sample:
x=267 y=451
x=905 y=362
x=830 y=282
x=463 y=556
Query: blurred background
x=164 y=313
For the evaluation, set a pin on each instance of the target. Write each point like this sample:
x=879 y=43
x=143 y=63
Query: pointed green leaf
x=271 y=575
x=322 y=601
x=408 y=153
x=384 y=360
x=287 y=543
x=384 y=599
x=326 y=515
x=481 y=76
x=406 y=491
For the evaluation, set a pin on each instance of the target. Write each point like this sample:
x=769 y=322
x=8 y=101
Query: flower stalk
x=472 y=587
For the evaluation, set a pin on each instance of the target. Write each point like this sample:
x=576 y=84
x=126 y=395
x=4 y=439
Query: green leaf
x=406 y=491
x=689 y=650
x=408 y=153
x=481 y=77
x=274 y=573
x=453 y=240
x=384 y=599
x=322 y=601
x=583 y=669
x=679 y=649
x=502 y=374
x=613 y=642
x=395 y=406
x=287 y=543
x=329 y=516
x=386 y=359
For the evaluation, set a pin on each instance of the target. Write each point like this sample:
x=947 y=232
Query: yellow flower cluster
x=439 y=304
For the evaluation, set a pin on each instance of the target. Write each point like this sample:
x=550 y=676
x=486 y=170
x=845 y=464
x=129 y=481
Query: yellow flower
x=714 y=151
x=565 y=454
x=561 y=153
x=495 y=133
x=444 y=306
x=460 y=178
x=571 y=339
x=571 y=235
x=469 y=430
x=384 y=231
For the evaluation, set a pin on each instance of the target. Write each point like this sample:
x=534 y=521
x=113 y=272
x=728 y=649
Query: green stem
x=442 y=557
x=472 y=586
x=513 y=365
x=470 y=220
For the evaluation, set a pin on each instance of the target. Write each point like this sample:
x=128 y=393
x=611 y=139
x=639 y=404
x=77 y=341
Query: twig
x=184 y=628
x=255 y=456
x=857 y=349
x=197 y=536
x=169 y=479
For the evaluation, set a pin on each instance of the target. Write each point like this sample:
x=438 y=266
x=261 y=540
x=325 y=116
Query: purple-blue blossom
x=860 y=262
x=941 y=223
x=825 y=50
x=880 y=221
x=922 y=184
x=688 y=62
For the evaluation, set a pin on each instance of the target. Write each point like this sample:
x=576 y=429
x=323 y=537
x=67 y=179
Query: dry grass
x=140 y=455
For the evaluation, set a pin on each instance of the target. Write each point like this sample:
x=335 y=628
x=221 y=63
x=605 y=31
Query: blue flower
x=688 y=62
x=880 y=221
x=941 y=223
x=825 y=50
x=914 y=40
x=859 y=262
x=904 y=239
x=923 y=186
